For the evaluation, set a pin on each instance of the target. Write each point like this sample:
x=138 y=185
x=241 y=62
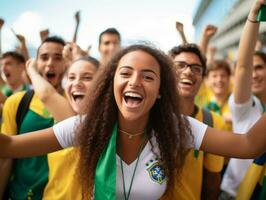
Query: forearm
x=203 y=44
x=243 y=71
x=256 y=137
x=24 y=51
x=183 y=37
x=75 y=33
x=55 y=104
x=249 y=145
x=28 y=145
x=52 y=100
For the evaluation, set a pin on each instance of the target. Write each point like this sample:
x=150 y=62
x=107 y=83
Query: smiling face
x=79 y=81
x=188 y=82
x=219 y=81
x=259 y=76
x=136 y=85
x=50 y=62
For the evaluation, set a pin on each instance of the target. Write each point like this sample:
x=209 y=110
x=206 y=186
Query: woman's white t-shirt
x=149 y=180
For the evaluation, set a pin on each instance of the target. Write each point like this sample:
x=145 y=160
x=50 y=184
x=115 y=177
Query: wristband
x=252 y=21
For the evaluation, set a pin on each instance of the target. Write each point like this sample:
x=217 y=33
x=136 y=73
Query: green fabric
x=30 y=175
x=263 y=189
x=213 y=106
x=105 y=176
x=6 y=90
x=26 y=87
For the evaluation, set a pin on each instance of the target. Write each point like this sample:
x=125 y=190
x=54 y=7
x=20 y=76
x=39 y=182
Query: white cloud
x=29 y=24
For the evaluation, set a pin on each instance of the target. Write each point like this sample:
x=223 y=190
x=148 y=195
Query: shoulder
x=65 y=130
x=14 y=99
x=10 y=108
x=198 y=130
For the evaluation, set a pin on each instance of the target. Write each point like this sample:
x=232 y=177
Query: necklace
x=126 y=195
x=130 y=136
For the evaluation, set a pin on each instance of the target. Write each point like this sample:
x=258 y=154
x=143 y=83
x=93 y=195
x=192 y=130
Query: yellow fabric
x=203 y=95
x=254 y=175
x=63 y=181
x=10 y=108
x=190 y=185
x=224 y=109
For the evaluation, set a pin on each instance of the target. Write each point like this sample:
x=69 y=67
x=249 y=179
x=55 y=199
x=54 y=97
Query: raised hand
x=179 y=26
x=20 y=38
x=44 y=34
x=77 y=16
x=180 y=29
x=31 y=65
x=210 y=30
x=255 y=10
x=72 y=52
x=1 y=23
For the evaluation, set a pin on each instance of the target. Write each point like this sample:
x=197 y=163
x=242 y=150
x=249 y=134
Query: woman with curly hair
x=133 y=140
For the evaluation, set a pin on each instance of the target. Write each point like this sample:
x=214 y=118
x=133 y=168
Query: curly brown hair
x=170 y=128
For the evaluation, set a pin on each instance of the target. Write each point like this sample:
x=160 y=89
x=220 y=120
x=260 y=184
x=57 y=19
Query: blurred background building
x=229 y=16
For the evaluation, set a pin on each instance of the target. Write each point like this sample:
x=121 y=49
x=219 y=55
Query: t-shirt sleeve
x=198 y=130
x=241 y=111
x=65 y=131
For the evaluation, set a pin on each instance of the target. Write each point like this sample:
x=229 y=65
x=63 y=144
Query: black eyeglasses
x=195 y=68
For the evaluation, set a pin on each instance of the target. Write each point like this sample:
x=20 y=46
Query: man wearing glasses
x=200 y=178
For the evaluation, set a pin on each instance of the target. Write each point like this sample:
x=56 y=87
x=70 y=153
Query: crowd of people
x=139 y=123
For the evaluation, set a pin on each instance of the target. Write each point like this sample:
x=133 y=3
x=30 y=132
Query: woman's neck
x=132 y=126
x=187 y=106
x=129 y=147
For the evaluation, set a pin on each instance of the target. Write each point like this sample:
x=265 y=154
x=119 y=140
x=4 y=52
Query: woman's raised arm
x=27 y=145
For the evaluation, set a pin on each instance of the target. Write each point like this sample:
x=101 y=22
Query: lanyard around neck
x=126 y=195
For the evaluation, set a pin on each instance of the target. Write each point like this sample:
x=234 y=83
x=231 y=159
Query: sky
x=137 y=21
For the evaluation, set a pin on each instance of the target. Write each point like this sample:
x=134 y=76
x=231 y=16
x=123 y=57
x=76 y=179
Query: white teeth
x=186 y=81
x=78 y=93
x=132 y=94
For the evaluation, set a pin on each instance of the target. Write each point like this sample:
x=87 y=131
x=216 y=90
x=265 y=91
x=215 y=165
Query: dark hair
x=171 y=129
x=109 y=31
x=219 y=64
x=54 y=39
x=261 y=54
x=90 y=59
x=15 y=55
x=189 y=48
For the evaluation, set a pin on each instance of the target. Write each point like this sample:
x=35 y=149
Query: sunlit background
x=138 y=20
